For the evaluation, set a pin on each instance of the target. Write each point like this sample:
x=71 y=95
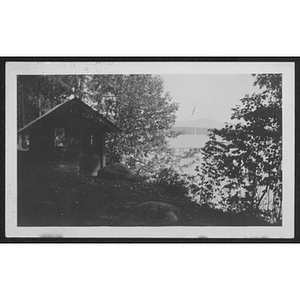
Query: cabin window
x=91 y=140
x=60 y=137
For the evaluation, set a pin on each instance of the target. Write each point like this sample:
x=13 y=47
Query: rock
x=171 y=217
x=159 y=211
x=116 y=171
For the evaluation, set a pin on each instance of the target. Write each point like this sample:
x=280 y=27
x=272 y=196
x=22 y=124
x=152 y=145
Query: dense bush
x=241 y=169
x=172 y=181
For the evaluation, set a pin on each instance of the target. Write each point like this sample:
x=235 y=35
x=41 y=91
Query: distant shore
x=191 y=130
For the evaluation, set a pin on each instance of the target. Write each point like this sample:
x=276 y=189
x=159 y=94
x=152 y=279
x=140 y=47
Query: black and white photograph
x=150 y=149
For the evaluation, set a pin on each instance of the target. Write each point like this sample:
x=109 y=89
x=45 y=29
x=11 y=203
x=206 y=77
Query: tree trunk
x=23 y=115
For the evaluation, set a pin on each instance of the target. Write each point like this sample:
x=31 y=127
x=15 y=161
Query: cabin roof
x=63 y=108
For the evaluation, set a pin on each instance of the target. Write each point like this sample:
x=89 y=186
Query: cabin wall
x=41 y=143
x=85 y=145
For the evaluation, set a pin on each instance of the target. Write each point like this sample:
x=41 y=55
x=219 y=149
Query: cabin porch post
x=102 y=150
x=89 y=161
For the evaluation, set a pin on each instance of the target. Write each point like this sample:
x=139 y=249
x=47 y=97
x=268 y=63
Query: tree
x=241 y=171
x=139 y=105
x=39 y=93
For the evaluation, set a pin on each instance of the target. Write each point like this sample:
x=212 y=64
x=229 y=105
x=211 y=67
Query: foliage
x=39 y=93
x=141 y=108
x=171 y=180
x=241 y=171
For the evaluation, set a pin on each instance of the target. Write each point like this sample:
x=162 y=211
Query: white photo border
x=287 y=69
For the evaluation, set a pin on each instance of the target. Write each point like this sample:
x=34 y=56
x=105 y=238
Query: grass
x=52 y=196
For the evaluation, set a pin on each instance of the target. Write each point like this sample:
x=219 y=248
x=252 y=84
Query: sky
x=212 y=95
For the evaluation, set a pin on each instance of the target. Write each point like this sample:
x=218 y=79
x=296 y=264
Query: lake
x=189 y=140
x=192 y=141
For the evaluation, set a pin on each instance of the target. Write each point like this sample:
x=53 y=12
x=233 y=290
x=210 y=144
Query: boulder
x=171 y=217
x=159 y=211
x=116 y=171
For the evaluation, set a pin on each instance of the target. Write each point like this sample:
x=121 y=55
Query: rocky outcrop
x=159 y=211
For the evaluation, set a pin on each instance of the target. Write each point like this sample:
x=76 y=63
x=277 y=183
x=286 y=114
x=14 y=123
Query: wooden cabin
x=71 y=131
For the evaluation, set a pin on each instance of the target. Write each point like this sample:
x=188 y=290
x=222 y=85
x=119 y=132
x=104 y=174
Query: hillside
x=52 y=195
x=191 y=130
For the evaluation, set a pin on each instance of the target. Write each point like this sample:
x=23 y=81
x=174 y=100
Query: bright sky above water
x=212 y=95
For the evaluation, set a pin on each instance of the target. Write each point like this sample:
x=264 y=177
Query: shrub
x=171 y=180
